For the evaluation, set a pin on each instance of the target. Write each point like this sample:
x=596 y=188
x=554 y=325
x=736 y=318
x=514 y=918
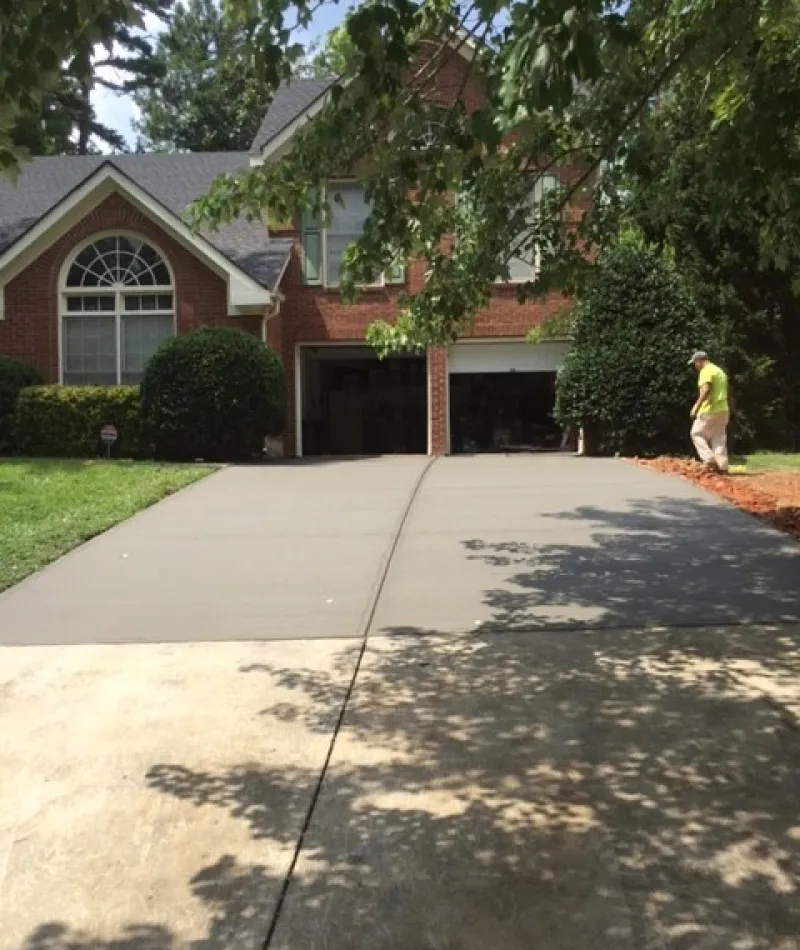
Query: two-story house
x=97 y=268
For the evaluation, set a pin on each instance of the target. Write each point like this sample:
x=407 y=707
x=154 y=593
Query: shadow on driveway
x=614 y=787
x=631 y=789
x=660 y=562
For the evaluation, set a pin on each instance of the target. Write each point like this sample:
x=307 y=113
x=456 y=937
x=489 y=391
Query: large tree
x=127 y=66
x=51 y=129
x=566 y=81
x=213 y=94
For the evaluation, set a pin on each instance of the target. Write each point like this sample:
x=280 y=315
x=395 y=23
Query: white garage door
x=506 y=357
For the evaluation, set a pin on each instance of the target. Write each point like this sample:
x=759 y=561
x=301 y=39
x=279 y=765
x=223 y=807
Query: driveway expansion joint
x=369 y=615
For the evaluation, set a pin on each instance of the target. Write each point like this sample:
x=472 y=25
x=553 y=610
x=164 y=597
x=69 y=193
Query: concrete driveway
x=520 y=543
x=493 y=702
x=247 y=554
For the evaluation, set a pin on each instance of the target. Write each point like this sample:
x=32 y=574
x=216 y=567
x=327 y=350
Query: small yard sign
x=108 y=436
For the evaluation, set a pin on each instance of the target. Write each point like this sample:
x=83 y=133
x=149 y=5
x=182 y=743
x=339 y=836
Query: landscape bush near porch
x=213 y=394
x=14 y=377
x=65 y=421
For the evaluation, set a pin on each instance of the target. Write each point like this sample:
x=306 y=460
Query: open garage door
x=355 y=404
x=502 y=396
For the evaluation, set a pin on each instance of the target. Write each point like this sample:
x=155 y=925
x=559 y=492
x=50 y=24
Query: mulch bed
x=772 y=496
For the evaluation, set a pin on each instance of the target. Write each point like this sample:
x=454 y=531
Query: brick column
x=437 y=402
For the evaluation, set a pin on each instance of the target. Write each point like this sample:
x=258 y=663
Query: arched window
x=117 y=307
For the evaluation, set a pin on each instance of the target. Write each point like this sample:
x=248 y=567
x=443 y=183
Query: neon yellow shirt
x=717 y=381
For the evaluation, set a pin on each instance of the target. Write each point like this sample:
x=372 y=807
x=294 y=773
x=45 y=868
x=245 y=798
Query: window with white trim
x=117 y=308
x=525 y=266
x=323 y=247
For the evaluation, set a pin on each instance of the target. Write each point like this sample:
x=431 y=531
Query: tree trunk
x=85 y=96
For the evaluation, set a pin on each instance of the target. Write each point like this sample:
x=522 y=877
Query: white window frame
x=322 y=231
x=117 y=291
x=540 y=189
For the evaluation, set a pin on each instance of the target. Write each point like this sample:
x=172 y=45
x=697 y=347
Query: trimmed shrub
x=65 y=421
x=14 y=377
x=625 y=378
x=214 y=394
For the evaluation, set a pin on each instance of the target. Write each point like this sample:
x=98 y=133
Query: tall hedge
x=214 y=394
x=625 y=378
x=14 y=377
x=65 y=421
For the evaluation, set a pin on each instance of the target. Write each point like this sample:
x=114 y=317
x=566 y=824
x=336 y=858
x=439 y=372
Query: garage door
x=353 y=403
x=507 y=357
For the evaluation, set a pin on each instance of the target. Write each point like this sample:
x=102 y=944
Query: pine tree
x=129 y=65
x=66 y=121
x=211 y=95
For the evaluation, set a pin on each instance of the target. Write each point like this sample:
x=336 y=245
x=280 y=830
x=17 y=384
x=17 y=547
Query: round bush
x=214 y=394
x=14 y=377
x=625 y=378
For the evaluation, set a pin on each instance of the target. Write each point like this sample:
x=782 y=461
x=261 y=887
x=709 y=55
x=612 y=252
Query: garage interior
x=502 y=412
x=502 y=396
x=356 y=404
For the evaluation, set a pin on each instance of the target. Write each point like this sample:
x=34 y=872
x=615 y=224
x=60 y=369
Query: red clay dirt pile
x=773 y=496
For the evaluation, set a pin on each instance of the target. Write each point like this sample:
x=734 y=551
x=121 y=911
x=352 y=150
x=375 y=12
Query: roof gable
x=173 y=180
x=300 y=99
x=245 y=292
x=291 y=100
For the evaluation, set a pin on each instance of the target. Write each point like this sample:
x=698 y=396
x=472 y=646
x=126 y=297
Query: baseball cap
x=698 y=355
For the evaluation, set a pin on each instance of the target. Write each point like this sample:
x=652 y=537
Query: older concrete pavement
x=573 y=723
x=625 y=790
x=151 y=796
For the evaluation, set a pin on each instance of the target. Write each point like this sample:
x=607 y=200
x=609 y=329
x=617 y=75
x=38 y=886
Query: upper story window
x=117 y=305
x=526 y=265
x=323 y=247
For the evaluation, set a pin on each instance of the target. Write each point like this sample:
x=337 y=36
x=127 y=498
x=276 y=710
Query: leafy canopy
x=717 y=179
x=49 y=65
x=563 y=82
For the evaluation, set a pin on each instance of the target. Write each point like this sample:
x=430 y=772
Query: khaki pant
x=709 y=434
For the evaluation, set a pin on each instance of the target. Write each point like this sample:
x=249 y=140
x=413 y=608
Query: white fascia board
x=244 y=293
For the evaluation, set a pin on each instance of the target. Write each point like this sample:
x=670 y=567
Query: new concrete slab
x=510 y=542
x=151 y=796
x=597 y=789
x=250 y=553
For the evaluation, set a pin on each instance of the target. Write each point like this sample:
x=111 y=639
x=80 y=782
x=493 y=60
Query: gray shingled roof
x=290 y=100
x=174 y=180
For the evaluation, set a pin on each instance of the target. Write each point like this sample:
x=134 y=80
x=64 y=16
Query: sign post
x=108 y=436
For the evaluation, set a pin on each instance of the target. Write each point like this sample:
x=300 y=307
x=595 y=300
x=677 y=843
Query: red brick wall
x=437 y=402
x=30 y=329
x=317 y=315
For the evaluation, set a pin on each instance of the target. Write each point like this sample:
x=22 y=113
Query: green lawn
x=770 y=462
x=48 y=506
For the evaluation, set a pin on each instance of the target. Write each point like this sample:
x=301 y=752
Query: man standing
x=710 y=413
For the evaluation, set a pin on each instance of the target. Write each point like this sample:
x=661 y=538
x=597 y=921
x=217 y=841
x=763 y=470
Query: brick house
x=97 y=268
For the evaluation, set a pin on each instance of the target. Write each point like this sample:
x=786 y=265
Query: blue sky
x=119 y=112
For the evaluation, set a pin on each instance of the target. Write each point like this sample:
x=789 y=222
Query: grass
x=767 y=462
x=48 y=506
